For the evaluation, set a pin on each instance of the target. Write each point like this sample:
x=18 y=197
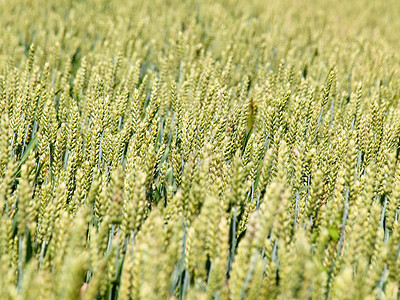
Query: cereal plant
x=199 y=149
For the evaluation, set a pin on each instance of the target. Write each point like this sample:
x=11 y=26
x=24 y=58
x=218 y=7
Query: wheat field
x=199 y=149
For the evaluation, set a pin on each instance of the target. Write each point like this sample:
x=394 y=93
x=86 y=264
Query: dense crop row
x=199 y=150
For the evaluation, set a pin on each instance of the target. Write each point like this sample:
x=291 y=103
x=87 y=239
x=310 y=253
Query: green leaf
x=334 y=233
